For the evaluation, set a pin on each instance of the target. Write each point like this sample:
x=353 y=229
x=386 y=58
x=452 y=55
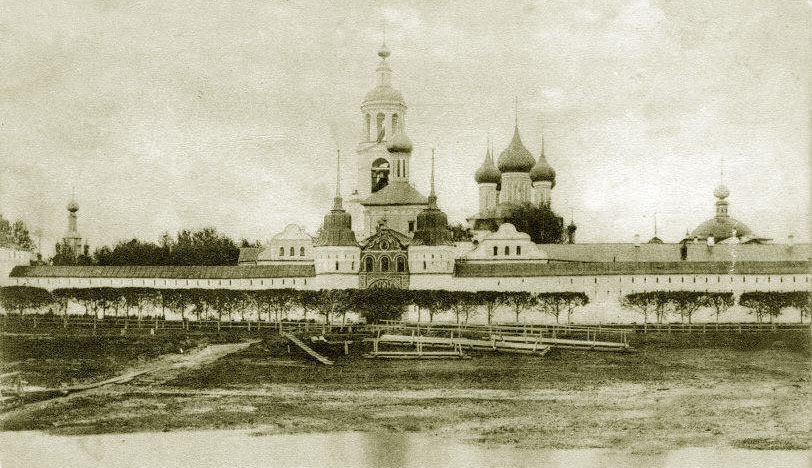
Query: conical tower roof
x=432 y=223
x=337 y=227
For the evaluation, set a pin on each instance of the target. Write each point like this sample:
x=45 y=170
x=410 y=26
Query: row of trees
x=204 y=247
x=379 y=304
x=271 y=304
x=659 y=304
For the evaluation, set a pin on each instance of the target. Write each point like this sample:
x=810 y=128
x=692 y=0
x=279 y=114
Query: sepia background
x=170 y=115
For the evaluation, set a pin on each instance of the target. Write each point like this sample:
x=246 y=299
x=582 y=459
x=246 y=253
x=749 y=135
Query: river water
x=245 y=448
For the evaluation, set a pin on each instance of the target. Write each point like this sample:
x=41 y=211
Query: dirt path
x=154 y=372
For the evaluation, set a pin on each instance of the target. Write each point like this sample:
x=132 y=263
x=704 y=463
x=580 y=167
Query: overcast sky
x=170 y=115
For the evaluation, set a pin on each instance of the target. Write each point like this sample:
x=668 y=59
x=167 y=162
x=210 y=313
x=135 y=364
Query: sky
x=172 y=115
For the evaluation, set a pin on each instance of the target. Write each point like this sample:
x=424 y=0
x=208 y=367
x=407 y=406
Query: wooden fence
x=610 y=332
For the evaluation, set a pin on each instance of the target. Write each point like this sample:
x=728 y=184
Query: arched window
x=394 y=123
x=368 y=264
x=301 y=251
x=401 y=265
x=336 y=266
x=495 y=250
x=518 y=250
x=379 y=128
x=292 y=251
x=281 y=251
x=379 y=173
x=384 y=264
x=367 y=122
x=507 y=250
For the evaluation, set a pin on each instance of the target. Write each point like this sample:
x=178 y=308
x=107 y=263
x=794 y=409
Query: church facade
x=387 y=234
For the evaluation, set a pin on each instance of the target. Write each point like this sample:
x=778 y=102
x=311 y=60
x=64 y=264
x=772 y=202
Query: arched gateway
x=385 y=260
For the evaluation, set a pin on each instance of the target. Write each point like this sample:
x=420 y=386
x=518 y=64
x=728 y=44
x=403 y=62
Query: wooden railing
x=109 y=325
x=609 y=332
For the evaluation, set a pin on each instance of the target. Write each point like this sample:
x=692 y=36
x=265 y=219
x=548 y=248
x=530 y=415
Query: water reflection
x=371 y=450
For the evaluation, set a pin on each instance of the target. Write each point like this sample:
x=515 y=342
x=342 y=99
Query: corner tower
x=336 y=252
x=432 y=252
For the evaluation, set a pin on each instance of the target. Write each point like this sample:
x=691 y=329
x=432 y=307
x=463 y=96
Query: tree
x=176 y=300
x=140 y=298
x=307 y=300
x=200 y=300
x=803 y=302
x=770 y=303
x=432 y=300
x=131 y=252
x=557 y=303
x=720 y=302
x=15 y=235
x=275 y=300
x=64 y=255
x=540 y=222
x=461 y=233
x=519 y=301
x=647 y=303
x=374 y=305
x=21 y=298
x=204 y=247
x=20 y=235
x=332 y=302
x=462 y=303
x=490 y=300
x=688 y=302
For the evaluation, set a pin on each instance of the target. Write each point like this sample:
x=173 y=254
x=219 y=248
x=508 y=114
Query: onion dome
x=487 y=172
x=399 y=143
x=542 y=171
x=73 y=206
x=516 y=158
x=383 y=52
x=721 y=192
x=721 y=226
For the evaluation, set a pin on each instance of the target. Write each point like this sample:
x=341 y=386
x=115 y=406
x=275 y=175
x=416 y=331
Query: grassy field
x=653 y=399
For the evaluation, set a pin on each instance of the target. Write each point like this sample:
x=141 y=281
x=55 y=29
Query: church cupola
x=515 y=163
x=488 y=179
x=487 y=172
x=542 y=176
x=516 y=158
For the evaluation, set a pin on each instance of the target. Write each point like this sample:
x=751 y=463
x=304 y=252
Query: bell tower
x=383 y=114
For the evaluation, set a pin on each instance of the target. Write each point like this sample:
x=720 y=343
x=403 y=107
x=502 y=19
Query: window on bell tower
x=394 y=123
x=379 y=128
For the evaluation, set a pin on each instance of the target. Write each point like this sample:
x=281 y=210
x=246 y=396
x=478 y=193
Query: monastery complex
x=386 y=234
